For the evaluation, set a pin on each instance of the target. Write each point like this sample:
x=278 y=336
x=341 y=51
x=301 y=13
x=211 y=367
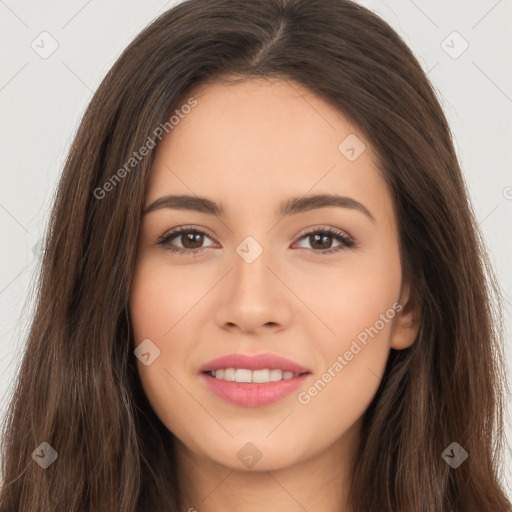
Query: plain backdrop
x=465 y=46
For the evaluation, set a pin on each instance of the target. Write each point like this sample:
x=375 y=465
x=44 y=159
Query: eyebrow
x=289 y=207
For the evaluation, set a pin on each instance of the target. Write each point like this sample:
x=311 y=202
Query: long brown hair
x=78 y=389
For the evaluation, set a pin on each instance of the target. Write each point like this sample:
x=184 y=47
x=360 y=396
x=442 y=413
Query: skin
x=250 y=146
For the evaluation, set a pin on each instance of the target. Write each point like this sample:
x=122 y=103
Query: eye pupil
x=194 y=238
x=323 y=238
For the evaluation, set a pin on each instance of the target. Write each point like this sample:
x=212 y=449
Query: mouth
x=253 y=380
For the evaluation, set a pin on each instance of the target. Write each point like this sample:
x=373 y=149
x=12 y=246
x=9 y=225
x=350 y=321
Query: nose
x=253 y=296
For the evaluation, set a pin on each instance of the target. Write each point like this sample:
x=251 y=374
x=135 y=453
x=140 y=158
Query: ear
x=407 y=321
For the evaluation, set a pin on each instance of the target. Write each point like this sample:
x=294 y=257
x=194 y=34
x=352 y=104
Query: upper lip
x=254 y=362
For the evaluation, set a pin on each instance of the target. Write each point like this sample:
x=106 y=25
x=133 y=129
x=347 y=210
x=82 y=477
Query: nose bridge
x=251 y=262
x=254 y=296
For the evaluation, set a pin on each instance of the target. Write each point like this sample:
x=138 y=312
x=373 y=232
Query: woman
x=263 y=285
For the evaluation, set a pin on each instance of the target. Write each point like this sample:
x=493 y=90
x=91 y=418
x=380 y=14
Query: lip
x=254 y=362
x=253 y=395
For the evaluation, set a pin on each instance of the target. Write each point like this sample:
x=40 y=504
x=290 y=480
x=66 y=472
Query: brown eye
x=184 y=240
x=321 y=241
x=191 y=240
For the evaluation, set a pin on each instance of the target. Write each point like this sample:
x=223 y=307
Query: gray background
x=42 y=100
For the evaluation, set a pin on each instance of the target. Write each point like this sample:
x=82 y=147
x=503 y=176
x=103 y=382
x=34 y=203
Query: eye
x=320 y=241
x=192 y=239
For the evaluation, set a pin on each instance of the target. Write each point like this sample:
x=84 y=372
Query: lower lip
x=247 y=394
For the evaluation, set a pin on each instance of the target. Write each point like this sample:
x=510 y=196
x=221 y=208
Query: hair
x=77 y=387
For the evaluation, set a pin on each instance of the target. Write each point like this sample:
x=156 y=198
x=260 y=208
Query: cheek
x=162 y=295
x=359 y=309
x=159 y=299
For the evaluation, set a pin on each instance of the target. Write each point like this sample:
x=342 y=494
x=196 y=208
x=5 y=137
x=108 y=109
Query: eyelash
x=345 y=241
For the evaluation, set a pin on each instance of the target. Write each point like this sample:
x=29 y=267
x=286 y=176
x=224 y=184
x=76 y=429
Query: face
x=318 y=283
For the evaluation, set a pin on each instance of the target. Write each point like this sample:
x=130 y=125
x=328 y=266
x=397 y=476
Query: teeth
x=243 y=375
x=258 y=376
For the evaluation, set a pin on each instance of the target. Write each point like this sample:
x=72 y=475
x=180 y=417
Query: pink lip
x=251 y=394
x=254 y=362
x=248 y=394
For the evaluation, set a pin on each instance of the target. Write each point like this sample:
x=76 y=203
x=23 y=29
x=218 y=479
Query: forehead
x=265 y=139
